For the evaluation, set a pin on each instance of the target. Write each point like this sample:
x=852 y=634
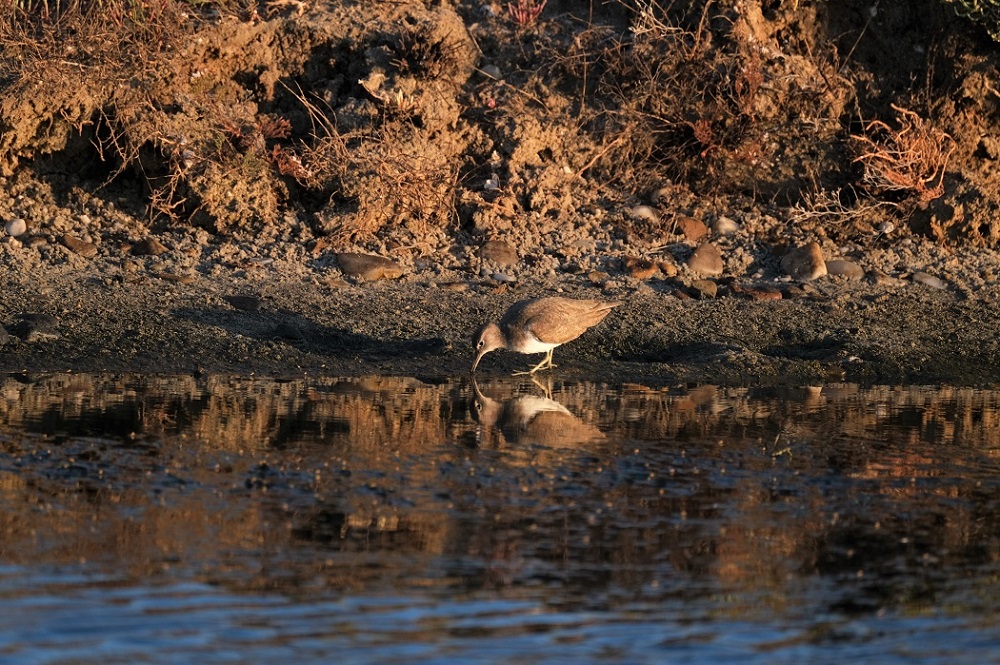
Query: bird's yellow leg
x=545 y=364
x=546 y=387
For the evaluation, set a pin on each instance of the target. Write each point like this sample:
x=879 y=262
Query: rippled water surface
x=393 y=520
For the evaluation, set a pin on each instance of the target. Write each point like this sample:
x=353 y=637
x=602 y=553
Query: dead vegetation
x=233 y=115
x=909 y=161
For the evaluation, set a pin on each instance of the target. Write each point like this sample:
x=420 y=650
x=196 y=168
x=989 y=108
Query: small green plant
x=984 y=12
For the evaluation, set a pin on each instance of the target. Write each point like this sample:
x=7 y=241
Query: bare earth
x=187 y=214
x=838 y=330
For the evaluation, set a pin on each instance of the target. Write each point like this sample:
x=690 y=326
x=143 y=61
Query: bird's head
x=488 y=338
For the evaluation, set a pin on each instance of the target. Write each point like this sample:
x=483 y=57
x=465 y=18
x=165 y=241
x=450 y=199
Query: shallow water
x=391 y=520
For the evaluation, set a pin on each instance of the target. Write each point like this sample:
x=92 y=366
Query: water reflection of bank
x=605 y=493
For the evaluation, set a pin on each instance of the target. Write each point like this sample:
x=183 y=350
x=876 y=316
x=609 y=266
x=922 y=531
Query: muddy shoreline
x=289 y=326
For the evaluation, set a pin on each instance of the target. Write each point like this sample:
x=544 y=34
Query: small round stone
x=706 y=260
x=16 y=227
x=691 y=228
x=844 y=268
x=805 y=263
x=644 y=213
x=724 y=226
x=921 y=277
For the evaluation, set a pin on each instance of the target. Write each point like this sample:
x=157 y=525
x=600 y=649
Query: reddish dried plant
x=525 y=12
x=911 y=160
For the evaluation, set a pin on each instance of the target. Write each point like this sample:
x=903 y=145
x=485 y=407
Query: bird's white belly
x=531 y=344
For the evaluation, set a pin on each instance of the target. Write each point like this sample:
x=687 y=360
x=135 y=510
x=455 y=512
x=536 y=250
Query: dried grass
x=665 y=97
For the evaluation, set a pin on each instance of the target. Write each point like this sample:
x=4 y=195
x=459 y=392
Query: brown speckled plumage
x=539 y=325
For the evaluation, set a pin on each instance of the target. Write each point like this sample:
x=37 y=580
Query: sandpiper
x=539 y=325
x=526 y=418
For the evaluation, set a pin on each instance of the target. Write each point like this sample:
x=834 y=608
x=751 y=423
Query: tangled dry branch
x=911 y=160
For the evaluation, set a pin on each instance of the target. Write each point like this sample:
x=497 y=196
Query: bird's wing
x=563 y=320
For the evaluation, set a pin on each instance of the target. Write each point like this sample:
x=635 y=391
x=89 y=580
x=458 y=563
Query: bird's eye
x=480 y=343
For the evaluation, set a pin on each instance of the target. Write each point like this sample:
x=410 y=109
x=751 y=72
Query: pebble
x=706 y=260
x=725 y=226
x=85 y=249
x=499 y=252
x=149 y=247
x=644 y=213
x=367 y=266
x=598 y=277
x=844 y=268
x=921 y=277
x=454 y=286
x=639 y=268
x=691 y=228
x=755 y=293
x=705 y=289
x=804 y=263
x=491 y=71
x=16 y=227
x=503 y=278
x=668 y=268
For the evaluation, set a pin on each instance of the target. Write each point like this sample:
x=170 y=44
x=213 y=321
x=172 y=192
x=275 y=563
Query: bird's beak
x=476 y=363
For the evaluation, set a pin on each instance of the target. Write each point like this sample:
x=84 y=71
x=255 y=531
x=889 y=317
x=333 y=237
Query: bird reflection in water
x=530 y=419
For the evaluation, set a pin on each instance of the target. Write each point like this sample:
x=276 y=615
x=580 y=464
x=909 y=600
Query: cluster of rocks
x=701 y=274
x=640 y=247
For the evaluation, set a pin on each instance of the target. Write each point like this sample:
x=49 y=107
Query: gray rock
x=367 y=266
x=725 y=226
x=705 y=289
x=499 y=252
x=244 y=303
x=921 y=277
x=706 y=260
x=844 y=268
x=644 y=213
